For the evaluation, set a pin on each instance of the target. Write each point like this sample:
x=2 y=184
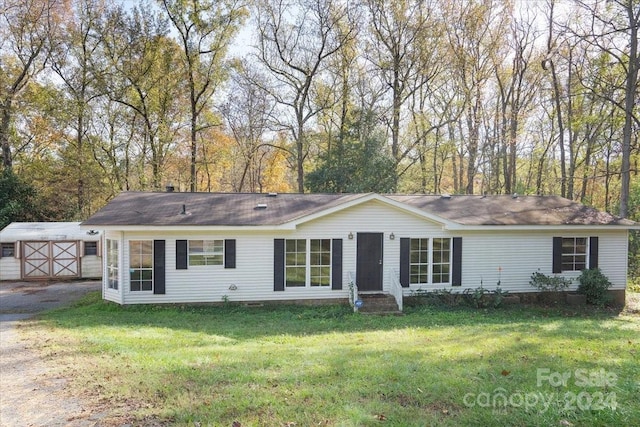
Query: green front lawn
x=276 y=366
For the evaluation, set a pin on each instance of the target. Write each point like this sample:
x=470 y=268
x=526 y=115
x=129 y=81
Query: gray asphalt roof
x=252 y=209
x=508 y=210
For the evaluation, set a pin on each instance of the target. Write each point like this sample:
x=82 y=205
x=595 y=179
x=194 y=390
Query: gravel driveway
x=29 y=394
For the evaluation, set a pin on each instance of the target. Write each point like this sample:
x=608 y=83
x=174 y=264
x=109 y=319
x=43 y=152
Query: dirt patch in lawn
x=31 y=394
x=633 y=303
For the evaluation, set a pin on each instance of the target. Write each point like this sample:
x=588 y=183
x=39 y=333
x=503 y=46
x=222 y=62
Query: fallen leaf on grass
x=505 y=372
x=381 y=417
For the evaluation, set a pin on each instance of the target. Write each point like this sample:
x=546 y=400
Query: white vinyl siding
x=508 y=256
x=511 y=257
x=10 y=266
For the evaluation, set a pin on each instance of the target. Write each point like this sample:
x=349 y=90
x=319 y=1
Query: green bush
x=549 y=283
x=594 y=285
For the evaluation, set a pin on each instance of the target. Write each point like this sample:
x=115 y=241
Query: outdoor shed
x=213 y=247
x=49 y=250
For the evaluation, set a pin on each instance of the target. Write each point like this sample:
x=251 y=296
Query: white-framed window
x=7 y=249
x=206 y=252
x=419 y=261
x=90 y=248
x=320 y=262
x=308 y=262
x=295 y=262
x=430 y=260
x=112 y=264
x=574 y=253
x=141 y=265
x=441 y=264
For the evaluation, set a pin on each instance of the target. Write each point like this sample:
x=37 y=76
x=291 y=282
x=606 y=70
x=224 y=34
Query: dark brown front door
x=369 y=262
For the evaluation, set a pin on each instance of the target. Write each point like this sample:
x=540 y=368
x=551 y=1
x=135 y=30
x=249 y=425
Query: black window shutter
x=405 y=246
x=230 y=253
x=593 y=252
x=278 y=265
x=557 y=255
x=181 y=255
x=456 y=276
x=158 y=267
x=336 y=264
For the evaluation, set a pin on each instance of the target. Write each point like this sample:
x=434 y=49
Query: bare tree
x=295 y=40
x=26 y=29
x=474 y=35
x=613 y=28
x=72 y=62
x=517 y=88
x=205 y=30
x=143 y=75
x=403 y=46
x=246 y=114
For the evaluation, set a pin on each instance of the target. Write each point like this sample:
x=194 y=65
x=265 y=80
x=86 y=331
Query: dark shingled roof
x=244 y=209
x=510 y=210
x=132 y=208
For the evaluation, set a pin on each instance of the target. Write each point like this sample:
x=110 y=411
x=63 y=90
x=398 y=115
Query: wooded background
x=436 y=96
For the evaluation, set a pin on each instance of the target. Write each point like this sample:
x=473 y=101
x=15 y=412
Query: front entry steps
x=378 y=304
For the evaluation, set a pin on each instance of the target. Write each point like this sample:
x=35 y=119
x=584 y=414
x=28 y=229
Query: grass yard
x=325 y=366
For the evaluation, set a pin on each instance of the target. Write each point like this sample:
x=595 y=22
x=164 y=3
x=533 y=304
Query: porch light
x=392 y=236
x=350 y=236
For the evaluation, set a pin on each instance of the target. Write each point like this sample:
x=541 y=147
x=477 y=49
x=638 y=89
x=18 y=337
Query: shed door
x=64 y=259
x=46 y=259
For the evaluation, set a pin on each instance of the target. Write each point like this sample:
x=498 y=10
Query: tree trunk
x=631 y=86
x=5 y=122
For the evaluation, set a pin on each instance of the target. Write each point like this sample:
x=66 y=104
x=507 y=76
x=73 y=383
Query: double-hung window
x=419 y=261
x=320 y=262
x=441 y=264
x=141 y=265
x=574 y=253
x=429 y=260
x=206 y=252
x=307 y=262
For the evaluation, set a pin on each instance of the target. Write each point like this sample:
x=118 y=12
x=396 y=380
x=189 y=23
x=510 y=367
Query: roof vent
x=272 y=195
x=514 y=196
x=170 y=188
x=184 y=210
x=445 y=196
x=261 y=206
